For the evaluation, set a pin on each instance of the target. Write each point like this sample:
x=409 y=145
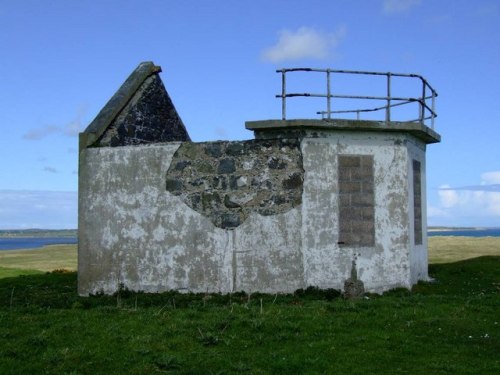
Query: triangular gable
x=140 y=112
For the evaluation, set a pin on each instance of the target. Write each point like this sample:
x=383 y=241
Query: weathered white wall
x=326 y=264
x=133 y=232
x=418 y=253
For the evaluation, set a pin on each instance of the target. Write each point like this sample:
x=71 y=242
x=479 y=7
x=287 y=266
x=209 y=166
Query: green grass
x=448 y=327
x=12 y=272
x=47 y=258
x=445 y=249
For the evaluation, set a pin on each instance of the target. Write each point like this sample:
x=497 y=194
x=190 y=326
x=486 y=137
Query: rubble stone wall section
x=225 y=181
x=149 y=117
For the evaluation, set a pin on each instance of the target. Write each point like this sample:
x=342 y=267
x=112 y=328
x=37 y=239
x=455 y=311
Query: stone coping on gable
x=279 y=128
x=117 y=102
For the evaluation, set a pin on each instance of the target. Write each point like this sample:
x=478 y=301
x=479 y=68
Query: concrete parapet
x=318 y=128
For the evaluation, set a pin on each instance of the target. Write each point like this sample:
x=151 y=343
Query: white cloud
x=491 y=177
x=399 y=6
x=50 y=169
x=448 y=197
x=303 y=43
x=436 y=212
x=38 y=209
x=72 y=129
x=466 y=204
x=490 y=201
x=39 y=133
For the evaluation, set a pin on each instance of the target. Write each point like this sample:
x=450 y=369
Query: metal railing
x=426 y=110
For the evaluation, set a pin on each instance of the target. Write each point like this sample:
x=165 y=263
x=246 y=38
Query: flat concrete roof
x=418 y=130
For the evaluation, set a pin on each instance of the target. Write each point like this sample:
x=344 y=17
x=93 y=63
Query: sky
x=61 y=61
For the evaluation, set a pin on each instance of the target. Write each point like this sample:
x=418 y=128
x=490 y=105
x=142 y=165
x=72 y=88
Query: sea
x=16 y=243
x=466 y=232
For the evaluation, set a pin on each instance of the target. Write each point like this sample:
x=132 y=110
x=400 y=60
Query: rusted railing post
x=328 y=94
x=283 y=94
x=433 y=104
x=388 y=109
x=422 y=104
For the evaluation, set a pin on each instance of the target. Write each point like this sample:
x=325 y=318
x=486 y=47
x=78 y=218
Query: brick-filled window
x=356 y=200
x=417 y=202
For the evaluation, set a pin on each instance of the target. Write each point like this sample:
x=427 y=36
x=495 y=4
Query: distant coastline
x=463 y=232
x=448 y=229
x=40 y=233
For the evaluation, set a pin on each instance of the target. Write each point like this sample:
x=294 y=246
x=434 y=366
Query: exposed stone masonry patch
x=225 y=181
x=149 y=117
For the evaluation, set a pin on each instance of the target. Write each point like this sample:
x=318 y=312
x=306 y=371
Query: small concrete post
x=353 y=288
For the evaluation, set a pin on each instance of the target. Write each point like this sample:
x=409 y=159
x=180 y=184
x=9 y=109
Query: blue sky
x=60 y=61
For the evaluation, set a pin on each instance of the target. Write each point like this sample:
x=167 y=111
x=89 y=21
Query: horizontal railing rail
x=426 y=101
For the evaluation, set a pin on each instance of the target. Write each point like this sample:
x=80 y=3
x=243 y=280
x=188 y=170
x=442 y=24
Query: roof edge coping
x=117 y=102
x=421 y=131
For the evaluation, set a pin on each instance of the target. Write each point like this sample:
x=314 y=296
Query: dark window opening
x=417 y=202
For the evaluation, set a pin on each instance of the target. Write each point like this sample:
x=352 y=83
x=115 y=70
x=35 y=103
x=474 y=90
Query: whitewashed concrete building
x=291 y=209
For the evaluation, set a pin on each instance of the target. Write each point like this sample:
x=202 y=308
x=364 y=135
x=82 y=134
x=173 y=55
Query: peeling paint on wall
x=137 y=233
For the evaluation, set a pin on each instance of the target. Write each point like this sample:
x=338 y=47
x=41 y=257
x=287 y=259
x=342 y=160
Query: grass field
x=13 y=272
x=445 y=249
x=448 y=327
x=48 y=258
